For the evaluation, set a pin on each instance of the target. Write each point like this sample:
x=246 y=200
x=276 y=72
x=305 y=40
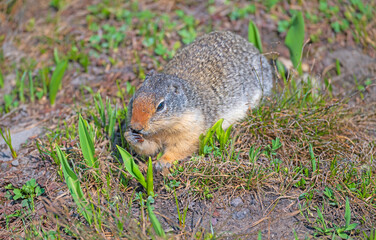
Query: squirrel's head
x=157 y=104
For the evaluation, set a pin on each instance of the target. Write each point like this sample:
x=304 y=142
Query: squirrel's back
x=227 y=74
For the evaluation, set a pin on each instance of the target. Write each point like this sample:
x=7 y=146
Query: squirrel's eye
x=160 y=106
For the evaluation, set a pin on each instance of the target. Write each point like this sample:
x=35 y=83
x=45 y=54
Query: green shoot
x=313 y=159
x=43 y=73
x=8 y=140
x=222 y=136
x=56 y=56
x=1 y=80
x=87 y=143
x=183 y=216
x=149 y=179
x=154 y=220
x=27 y=193
x=100 y=108
x=31 y=88
x=22 y=87
x=133 y=169
x=56 y=78
x=254 y=154
x=295 y=40
x=254 y=36
x=74 y=187
x=338 y=67
x=112 y=114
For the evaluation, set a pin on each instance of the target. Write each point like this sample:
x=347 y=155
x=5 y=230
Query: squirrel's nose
x=136 y=127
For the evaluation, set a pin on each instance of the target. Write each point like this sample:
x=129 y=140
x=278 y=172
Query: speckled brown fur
x=219 y=75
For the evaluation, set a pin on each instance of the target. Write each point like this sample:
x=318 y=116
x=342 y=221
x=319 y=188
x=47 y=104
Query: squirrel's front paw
x=161 y=166
x=133 y=138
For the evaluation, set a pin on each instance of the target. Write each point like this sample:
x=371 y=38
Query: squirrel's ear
x=176 y=88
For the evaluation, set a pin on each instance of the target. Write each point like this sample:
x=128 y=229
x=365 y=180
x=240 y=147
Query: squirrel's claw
x=133 y=137
x=161 y=166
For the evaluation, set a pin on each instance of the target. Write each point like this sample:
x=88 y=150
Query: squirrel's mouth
x=137 y=136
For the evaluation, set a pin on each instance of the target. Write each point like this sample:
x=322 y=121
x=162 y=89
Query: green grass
x=7 y=137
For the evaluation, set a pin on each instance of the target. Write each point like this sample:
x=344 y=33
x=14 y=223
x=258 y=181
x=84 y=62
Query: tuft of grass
x=5 y=134
x=209 y=139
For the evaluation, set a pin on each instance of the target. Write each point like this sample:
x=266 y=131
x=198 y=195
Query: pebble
x=15 y=163
x=237 y=202
x=239 y=215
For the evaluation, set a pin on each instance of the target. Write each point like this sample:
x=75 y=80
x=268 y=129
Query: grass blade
x=111 y=119
x=347 y=212
x=31 y=88
x=131 y=166
x=21 y=87
x=313 y=159
x=1 y=80
x=155 y=222
x=149 y=179
x=56 y=78
x=86 y=143
x=254 y=36
x=74 y=187
x=295 y=39
x=100 y=108
x=204 y=139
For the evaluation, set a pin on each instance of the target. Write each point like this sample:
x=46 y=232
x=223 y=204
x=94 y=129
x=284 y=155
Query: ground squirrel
x=219 y=75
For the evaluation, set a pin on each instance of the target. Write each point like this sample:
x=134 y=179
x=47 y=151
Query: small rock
x=4 y=167
x=240 y=214
x=15 y=163
x=237 y=202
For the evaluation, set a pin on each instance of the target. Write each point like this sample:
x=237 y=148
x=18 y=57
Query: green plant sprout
x=1 y=80
x=8 y=140
x=133 y=169
x=222 y=136
x=31 y=87
x=87 y=143
x=254 y=35
x=153 y=219
x=56 y=78
x=27 y=193
x=74 y=187
x=295 y=40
